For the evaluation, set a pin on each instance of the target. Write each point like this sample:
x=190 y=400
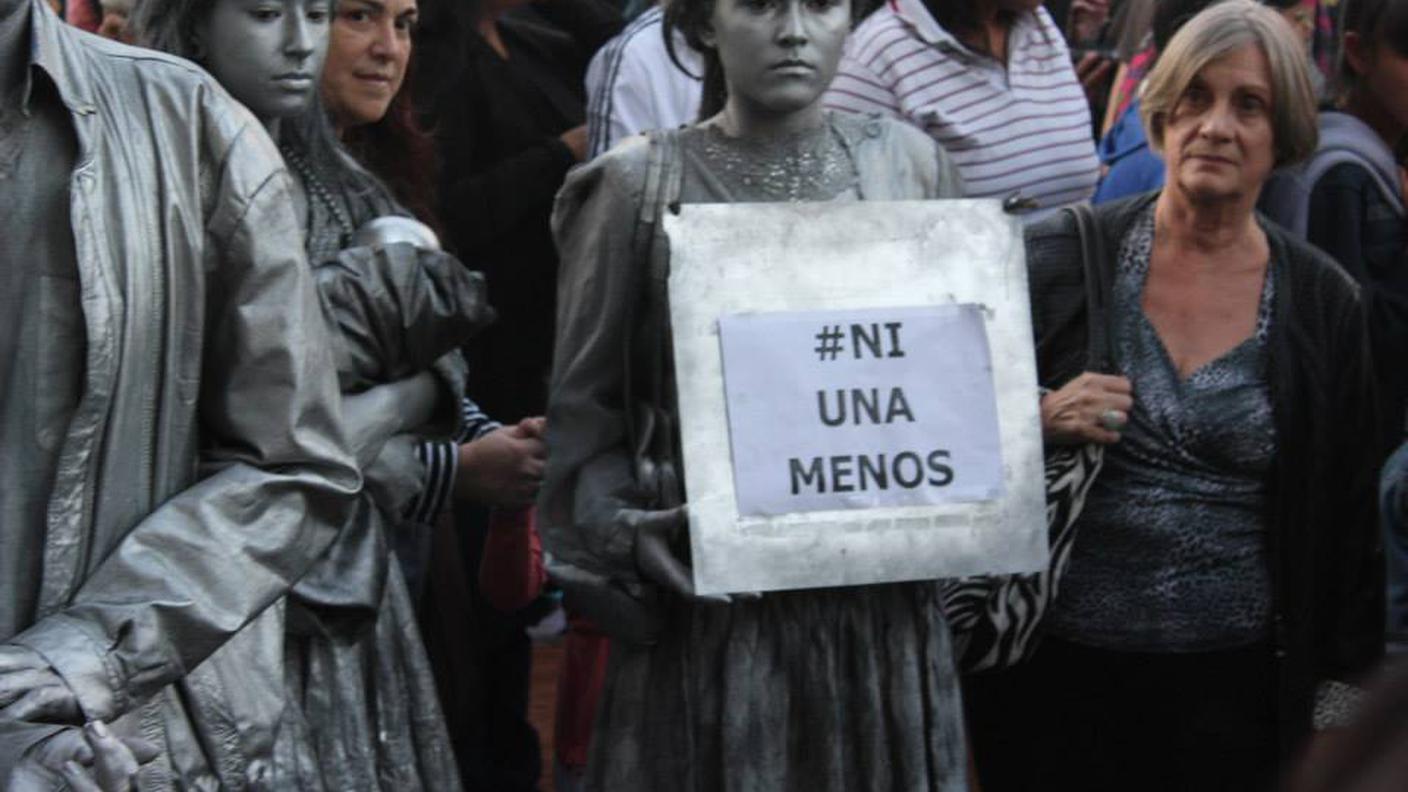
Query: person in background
x=502 y=92
x=82 y=14
x=169 y=383
x=370 y=46
x=500 y=84
x=1225 y=592
x=1130 y=166
x=1301 y=15
x=1325 y=42
x=370 y=54
x=1348 y=200
x=114 y=22
x=1129 y=32
x=369 y=61
x=991 y=81
x=636 y=83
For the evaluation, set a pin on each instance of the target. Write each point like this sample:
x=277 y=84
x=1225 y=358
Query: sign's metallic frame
x=736 y=258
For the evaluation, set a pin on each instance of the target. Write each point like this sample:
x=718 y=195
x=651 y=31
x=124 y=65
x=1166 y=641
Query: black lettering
x=873 y=469
x=871 y=339
x=808 y=476
x=899 y=406
x=894 y=328
x=900 y=478
x=870 y=406
x=840 y=408
x=841 y=469
x=943 y=472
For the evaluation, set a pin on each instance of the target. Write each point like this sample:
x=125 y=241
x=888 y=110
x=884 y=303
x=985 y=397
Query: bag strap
x=1097 y=288
x=647 y=429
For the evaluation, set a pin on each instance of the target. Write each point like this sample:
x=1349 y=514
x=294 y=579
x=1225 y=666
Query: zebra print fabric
x=995 y=618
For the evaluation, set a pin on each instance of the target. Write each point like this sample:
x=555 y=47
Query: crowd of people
x=335 y=354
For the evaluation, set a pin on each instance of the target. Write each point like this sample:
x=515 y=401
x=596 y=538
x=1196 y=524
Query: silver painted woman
x=832 y=689
x=362 y=709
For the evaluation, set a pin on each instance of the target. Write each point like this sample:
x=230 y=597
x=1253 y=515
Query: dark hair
x=312 y=135
x=397 y=150
x=169 y=25
x=691 y=19
x=1379 y=23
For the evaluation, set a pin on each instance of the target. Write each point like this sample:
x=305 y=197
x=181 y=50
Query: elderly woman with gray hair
x=1225 y=584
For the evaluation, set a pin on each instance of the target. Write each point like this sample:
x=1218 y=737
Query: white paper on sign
x=860 y=409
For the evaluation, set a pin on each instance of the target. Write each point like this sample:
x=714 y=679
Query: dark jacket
x=1326 y=557
x=497 y=123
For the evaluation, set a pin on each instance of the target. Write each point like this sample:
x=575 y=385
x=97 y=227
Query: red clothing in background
x=578 y=688
x=84 y=14
x=511 y=575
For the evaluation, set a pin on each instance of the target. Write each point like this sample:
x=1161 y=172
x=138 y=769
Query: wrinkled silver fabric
x=205 y=468
x=831 y=689
x=396 y=310
x=363 y=711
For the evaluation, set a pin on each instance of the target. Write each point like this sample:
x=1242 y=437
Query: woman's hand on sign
x=1091 y=408
x=657 y=534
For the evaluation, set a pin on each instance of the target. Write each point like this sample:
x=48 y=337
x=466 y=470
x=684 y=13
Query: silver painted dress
x=363 y=711
x=828 y=690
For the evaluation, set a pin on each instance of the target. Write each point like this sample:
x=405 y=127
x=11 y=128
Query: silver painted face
x=267 y=53
x=779 y=55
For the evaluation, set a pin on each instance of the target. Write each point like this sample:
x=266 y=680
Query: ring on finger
x=1111 y=419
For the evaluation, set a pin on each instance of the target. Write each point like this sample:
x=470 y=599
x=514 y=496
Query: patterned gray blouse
x=1171 y=555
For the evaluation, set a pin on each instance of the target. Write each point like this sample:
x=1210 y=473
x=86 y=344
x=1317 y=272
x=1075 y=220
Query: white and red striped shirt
x=1023 y=128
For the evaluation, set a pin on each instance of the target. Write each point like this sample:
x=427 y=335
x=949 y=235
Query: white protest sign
x=777 y=312
x=860 y=409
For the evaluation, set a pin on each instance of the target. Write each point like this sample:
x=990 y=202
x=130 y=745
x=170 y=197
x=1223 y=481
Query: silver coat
x=205 y=468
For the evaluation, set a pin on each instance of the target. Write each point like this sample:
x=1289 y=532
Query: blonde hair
x=1217 y=31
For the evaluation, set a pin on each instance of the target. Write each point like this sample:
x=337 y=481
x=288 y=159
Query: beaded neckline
x=315 y=187
x=806 y=166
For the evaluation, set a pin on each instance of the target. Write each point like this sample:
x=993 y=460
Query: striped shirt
x=1024 y=128
x=441 y=460
x=633 y=86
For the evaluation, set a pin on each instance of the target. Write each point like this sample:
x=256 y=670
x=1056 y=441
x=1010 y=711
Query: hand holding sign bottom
x=660 y=539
